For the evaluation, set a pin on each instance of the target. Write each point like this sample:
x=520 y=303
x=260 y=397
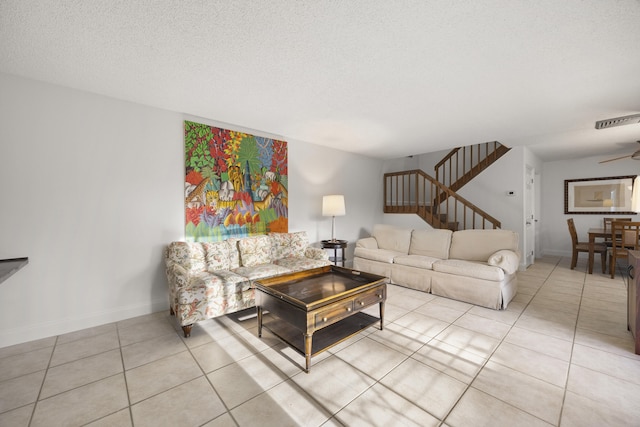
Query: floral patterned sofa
x=210 y=279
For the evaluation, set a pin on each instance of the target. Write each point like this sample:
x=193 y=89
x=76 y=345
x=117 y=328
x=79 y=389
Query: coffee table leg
x=259 y=321
x=381 y=315
x=307 y=351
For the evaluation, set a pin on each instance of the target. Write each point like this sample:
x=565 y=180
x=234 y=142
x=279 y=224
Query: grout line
x=332 y=414
x=124 y=374
x=573 y=344
x=44 y=378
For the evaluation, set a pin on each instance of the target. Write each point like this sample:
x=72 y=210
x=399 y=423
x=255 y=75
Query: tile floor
x=560 y=355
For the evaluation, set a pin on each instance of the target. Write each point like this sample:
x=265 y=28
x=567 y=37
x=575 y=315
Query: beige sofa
x=210 y=279
x=475 y=266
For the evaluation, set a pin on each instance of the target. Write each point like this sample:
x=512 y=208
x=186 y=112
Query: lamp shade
x=333 y=205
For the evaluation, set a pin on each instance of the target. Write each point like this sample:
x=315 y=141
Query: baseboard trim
x=28 y=333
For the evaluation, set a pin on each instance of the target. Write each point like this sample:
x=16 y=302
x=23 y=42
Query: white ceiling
x=377 y=77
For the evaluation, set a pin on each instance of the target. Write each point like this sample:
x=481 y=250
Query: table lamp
x=333 y=206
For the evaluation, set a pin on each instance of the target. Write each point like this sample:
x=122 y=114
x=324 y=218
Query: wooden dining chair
x=606 y=222
x=625 y=237
x=598 y=248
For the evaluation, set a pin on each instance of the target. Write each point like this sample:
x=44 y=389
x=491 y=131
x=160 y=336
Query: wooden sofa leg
x=171 y=312
x=187 y=330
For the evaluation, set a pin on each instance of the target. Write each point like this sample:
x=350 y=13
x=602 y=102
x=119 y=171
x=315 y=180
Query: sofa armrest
x=505 y=259
x=367 y=243
x=316 y=253
x=177 y=276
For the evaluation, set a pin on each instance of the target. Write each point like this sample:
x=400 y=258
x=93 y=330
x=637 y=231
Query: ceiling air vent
x=618 y=121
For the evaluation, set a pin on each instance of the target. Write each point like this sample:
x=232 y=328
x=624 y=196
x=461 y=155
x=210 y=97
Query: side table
x=336 y=245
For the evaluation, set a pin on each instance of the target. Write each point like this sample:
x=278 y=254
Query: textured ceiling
x=381 y=78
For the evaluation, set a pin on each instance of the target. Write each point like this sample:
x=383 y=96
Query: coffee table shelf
x=323 y=339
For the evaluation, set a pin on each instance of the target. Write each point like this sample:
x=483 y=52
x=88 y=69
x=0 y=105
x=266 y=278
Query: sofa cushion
x=392 y=238
x=469 y=269
x=419 y=261
x=254 y=250
x=367 y=242
x=506 y=260
x=217 y=255
x=261 y=271
x=206 y=286
x=289 y=244
x=190 y=255
x=234 y=252
x=479 y=245
x=300 y=263
x=432 y=243
x=201 y=286
x=316 y=253
x=229 y=278
x=382 y=255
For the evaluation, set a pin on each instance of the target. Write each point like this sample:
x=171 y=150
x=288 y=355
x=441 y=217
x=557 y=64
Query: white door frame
x=529 y=244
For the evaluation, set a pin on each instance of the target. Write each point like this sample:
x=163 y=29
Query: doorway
x=530 y=218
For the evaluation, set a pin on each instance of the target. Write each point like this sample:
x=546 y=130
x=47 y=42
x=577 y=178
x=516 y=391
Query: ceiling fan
x=635 y=156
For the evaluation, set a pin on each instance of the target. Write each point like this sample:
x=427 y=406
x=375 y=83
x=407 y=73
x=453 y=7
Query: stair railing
x=413 y=192
x=463 y=163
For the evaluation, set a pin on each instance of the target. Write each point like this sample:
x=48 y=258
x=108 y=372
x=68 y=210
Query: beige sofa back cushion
x=392 y=238
x=432 y=243
x=479 y=245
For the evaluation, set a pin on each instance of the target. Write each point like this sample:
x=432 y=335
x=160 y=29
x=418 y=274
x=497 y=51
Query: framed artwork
x=607 y=195
x=235 y=184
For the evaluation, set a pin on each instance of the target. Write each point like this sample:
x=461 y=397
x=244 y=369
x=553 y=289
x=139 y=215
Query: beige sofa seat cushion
x=392 y=238
x=432 y=243
x=381 y=255
x=479 y=245
x=469 y=269
x=418 y=261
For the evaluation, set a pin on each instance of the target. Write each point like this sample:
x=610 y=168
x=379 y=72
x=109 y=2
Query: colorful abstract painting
x=235 y=184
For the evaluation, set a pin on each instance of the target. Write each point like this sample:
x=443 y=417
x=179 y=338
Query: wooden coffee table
x=316 y=309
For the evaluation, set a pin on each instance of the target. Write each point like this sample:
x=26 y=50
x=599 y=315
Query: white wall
x=92 y=191
x=555 y=234
x=315 y=171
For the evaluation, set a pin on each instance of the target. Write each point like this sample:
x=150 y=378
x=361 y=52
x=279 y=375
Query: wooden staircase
x=435 y=199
